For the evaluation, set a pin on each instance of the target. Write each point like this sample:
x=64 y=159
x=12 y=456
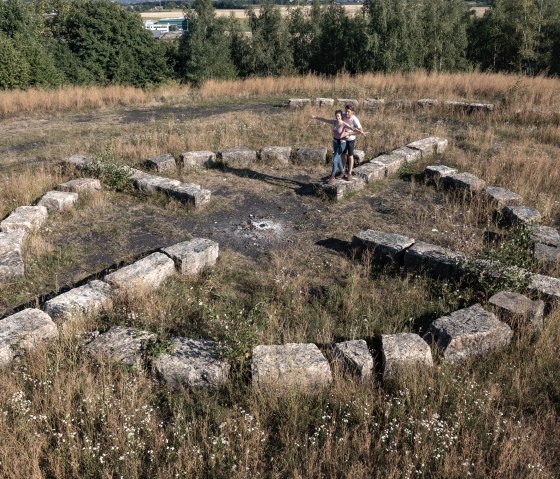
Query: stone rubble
x=276 y=154
x=545 y=286
x=189 y=193
x=521 y=214
x=427 y=102
x=468 y=333
x=374 y=103
x=436 y=173
x=80 y=162
x=11 y=260
x=403 y=351
x=391 y=163
x=547 y=256
x=384 y=246
x=410 y=155
x=306 y=155
x=81 y=185
x=193 y=256
x=434 y=260
x=464 y=181
x=24 y=331
x=122 y=344
x=162 y=164
x=501 y=197
x=239 y=157
x=197 y=159
x=355 y=358
x=192 y=364
x=546 y=235
x=299 y=102
x=324 y=101
x=148 y=273
x=429 y=146
x=26 y=218
x=290 y=365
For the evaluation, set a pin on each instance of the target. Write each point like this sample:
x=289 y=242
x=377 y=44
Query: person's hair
x=337 y=112
x=349 y=107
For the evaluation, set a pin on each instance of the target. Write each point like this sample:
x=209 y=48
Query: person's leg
x=350 y=152
x=336 y=158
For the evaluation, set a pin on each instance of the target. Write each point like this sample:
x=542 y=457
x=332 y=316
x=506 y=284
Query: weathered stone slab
x=469 y=333
x=545 y=235
x=58 y=200
x=290 y=365
x=91 y=298
x=123 y=345
x=371 y=171
x=80 y=162
x=464 y=181
x=403 y=351
x=521 y=214
x=324 y=101
x=480 y=106
x=424 y=102
x=189 y=193
x=409 y=154
x=192 y=364
x=276 y=154
x=355 y=357
x=429 y=146
x=402 y=102
x=373 y=103
x=392 y=163
x=548 y=256
x=299 y=102
x=198 y=159
x=517 y=310
x=384 y=246
x=545 y=286
x=12 y=241
x=456 y=104
x=340 y=188
x=305 y=155
x=152 y=184
x=359 y=157
x=11 y=259
x=25 y=218
x=501 y=197
x=147 y=273
x=434 y=260
x=347 y=101
x=192 y=256
x=238 y=157
x=162 y=164
x=436 y=173
x=24 y=331
x=81 y=185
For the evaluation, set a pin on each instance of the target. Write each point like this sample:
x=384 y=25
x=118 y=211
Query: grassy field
x=65 y=415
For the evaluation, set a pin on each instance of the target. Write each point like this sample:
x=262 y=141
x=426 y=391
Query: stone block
x=292 y=365
x=189 y=193
x=456 y=104
x=193 y=256
x=518 y=310
x=521 y=215
x=24 y=331
x=238 y=157
x=480 y=107
x=276 y=154
x=404 y=351
x=429 y=146
x=410 y=155
x=545 y=286
x=198 y=159
x=80 y=162
x=192 y=364
x=25 y=218
x=426 y=102
x=392 y=163
x=162 y=164
x=436 y=173
x=347 y=101
x=355 y=358
x=373 y=103
x=299 y=102
x=370 y=172
x=324 y=101
x=464 y=181
x=469 y=333
x=401 y=102
x=147 y=273
x=548 y=256
x=124 y=345
x=434 y=260
x=12 y=241
x=340 y=188
x=11 y=266
x=91 y=298
x=151 y=184
x=384 y=246
x=58 y=201
x=545 y=235
x=81 y=185
x=359 y=157
x=307 y=155
x=500 y=197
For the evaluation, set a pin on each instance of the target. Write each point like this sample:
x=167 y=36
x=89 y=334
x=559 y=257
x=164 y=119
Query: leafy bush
x=112 y=175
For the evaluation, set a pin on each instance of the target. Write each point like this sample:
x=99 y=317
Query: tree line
x=49 y=43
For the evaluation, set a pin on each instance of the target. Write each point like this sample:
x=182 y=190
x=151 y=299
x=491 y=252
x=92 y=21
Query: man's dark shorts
x=349 y=150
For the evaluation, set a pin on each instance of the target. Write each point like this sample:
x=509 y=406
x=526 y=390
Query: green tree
x=14 y=69
x=204 y=51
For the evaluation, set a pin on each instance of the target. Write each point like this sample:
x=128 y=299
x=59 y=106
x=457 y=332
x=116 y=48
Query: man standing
x=353 y=121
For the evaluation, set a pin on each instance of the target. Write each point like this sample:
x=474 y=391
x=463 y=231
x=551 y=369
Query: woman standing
x=340 y=130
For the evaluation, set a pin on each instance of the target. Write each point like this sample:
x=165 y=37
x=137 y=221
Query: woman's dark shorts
x=349 y=150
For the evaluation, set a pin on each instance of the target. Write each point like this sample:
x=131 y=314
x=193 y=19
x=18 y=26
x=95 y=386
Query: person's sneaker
x=338 y=175
x=330 y=181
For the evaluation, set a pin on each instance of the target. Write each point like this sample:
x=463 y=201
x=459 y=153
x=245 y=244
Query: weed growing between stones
x=113 y=175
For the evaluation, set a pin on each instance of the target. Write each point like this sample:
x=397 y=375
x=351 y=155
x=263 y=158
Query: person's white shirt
x=354 y=123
